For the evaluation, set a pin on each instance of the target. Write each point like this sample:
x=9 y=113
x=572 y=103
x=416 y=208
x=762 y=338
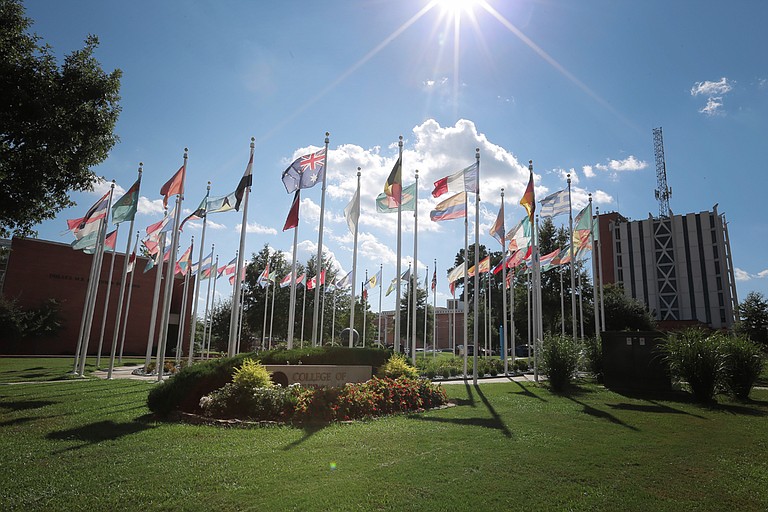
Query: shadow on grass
x=24 y=405
x=746 y=408
x=597 y=413
x=309 y=431
x=100 y=431
x=652 y=407
x=524 y=391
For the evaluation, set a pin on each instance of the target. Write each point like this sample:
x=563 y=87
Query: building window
x=720 y=299
x=618 y=261
x=621 y=276
x=618 y=246
x=719 y=283
x=717 y=267
x=618 y=234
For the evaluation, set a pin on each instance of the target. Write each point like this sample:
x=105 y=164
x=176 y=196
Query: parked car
x=522 y=350
x=460 y=350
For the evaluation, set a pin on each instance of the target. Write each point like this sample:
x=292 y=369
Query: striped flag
x=454 y=207
x=554 y=204
x=528 y=201
x=463 y=181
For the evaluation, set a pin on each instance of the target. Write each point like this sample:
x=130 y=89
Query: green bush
x=696 y=358
x=252 y=374
x=559 y=360
x=520 y=365
x=367 y=356
x=593 y=357
x=397 y=366
x=242 y=401
x=743 y=365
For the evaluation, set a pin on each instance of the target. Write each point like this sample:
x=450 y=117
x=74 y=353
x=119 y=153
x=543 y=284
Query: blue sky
x=574 y=86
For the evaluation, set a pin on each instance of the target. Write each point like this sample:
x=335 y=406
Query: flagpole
x=381 y=291
x=212 y=276
x=333 y=318
x=399 y=246
x=354 y=266
x=408 y=289
x=168 y=289
x=303 y=310
x=504 y=294
x=127 y=304
x=84 y=317
x=272 y=311
x=319 y=267
x=536 y=285
x=595 y=297
x=233 y=319
x=466 y=286
x=93 y=291
x=292 y=299
x=562 y=304
x=266 y=302
x=106 y=297
x=434 y=316
x=241 y=306
x=426 y=306
x=365 y=306
x=489 y=307
x=573 y=277
x=581 y=307
x=169 y=277
x=193 y=326
x=155 y=299
x=415 y=287
x=182 y=315
x=513 y=334
x=477 y=266
x=600 y=268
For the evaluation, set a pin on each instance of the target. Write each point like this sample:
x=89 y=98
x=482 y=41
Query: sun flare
x=457 y=7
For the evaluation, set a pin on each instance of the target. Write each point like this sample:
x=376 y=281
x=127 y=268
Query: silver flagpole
x=292 y=299
x=381 y=291
x=155 y=299
x=477 y=267
x=233 y=319
x=489 y=306
x=426 y=306
x=600 y=269
x=241 y=306
x=465 y=302
x=183 y=314
x=434 y=316
x=581 y=307
x=209 y=320
x=127 y=304
x=333 y=319
x=303 y=310
x=399 y=247
x=562 y=304
x=573 y=262
x=539 y=336
x=408 y=289
x=505 y=334
x=319 y=267
x=595 y=296
x=513 y=334
x=266 y=305
x=415 y=287
x=168 y=289
x=321 y=337
x=94 y=286
x=193 y=326
x=106 y=297
x=212 y=276
x=116 y=330
x=272 y=312
x=354 y=266
x=84 y=317
x=365 y=306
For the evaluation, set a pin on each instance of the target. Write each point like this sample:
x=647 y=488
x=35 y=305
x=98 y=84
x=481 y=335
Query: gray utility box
x=633 y=361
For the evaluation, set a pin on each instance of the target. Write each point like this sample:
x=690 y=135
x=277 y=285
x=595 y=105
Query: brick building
x=32 y=271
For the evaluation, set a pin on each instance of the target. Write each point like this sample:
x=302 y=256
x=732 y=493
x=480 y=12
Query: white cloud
x=150 y=207
x=709 y=88
x=309 y=249
x=713 y=107
x=628 y=164
x=101 y=186
x=741 y=275
x=763 y=273
x=588 y=171
x=255 y=227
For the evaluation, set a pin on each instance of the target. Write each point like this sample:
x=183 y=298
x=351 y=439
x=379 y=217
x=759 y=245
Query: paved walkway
x=124 y=372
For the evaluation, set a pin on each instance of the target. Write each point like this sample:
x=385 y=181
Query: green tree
x=421 y=307
x=753 y=318
x=55 y=122
x=624 y=313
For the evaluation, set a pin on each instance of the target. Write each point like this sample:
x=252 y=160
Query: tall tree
x=56 y=122
x=753 y=318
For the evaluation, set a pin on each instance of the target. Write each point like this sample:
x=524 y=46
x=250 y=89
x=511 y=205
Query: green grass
x=15 y=369
x=89 y=444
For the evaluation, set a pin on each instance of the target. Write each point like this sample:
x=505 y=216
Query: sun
x=456 y=7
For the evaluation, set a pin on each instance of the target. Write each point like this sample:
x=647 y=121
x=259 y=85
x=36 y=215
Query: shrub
x=397 y=366
x=743 y=365
x=241 y=401
x=695 y=358
x=252 y=374
x=593 y=357
x=559 y=360
x=520 y=365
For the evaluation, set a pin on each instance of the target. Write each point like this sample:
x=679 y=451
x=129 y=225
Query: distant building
x=680 y=267
x=446 y=318
x=32 y=271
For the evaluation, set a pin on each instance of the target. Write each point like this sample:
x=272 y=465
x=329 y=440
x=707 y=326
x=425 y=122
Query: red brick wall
x=39 y=270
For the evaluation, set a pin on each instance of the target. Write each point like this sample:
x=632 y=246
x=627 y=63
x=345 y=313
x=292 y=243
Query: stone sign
x=320 y=375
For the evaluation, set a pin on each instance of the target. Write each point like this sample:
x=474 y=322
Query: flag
x=227 y=269
x=393 y=188
x=263 y=279
x=184 y=262
x=313 y=282
x=87 y=242
x=547 y=261
x=293 y=215
x=207 y=263
x=167 y=225
x=555 y=204
x=84 y=225
x=463 y=181
x=519 y=257
x=406 y=275
x=300 y=280
x=352 y=211
x=242 y=276
x=305 y=172
x=520 y=235
x=497 y=230
x=373 y=281
x=454 y=207
x=222 y=204
x=583 y=220
x=509 y=280
x=408 y=201
x=456 y=274
x=159 y=226
x=452 y=287
x=173 y=186
x=344 y=282
x=245 y=181
x=286 y=281
x=92 y=225
x=110 y=240
x=131 y=262
x=434 y=280
x=197 y=214
x=528 y=201
x=125 y=207
x=365 y=294
x=484 y=266
x=330 y=288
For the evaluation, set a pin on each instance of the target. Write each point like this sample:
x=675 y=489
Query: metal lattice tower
x=663 y=192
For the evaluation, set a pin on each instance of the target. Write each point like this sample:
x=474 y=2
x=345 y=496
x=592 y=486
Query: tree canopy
x=753 y=318
x=56 y=122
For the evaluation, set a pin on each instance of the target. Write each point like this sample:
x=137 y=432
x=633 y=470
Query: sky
x=576 y=87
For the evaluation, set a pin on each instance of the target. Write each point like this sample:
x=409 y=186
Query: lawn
x=15 y=369
x=89 y=444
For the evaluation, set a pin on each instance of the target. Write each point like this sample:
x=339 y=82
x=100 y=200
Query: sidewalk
x=124 y=372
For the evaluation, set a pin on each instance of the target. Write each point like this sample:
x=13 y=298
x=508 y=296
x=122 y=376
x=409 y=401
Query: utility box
x=633 y=361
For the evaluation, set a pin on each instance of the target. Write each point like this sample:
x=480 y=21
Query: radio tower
x=663 y=192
